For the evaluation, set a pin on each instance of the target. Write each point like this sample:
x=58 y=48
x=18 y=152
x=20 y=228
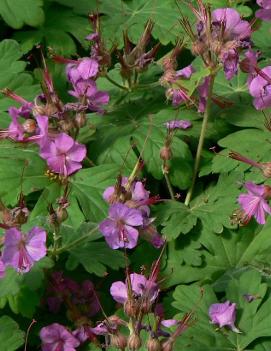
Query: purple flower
x=2 y=268
x=185 y=73
x=55 y=337
x=230 y=60
x=87 y=89
x=85 y=68
x=203 y=90
x=265 y=12
x=63 y=154
x=260 y=89
x=141 y=287
x=234 y=28
x=254 y=203
x=178 y=124
x=15 y=130
x=224 y=314
x=22 y=250
x=118 y=229
x=177 y=96
x=23 y=111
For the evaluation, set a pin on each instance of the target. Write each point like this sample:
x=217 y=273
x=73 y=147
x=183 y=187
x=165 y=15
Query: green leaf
x=19 y=12
x=22 y=292
x=148 y=132
x=213 y=208
x=56 y=32
x=176 y=218
x=82 y=7
x=11 y=337
x=238 y=110
x=253 y=319
x=12 y=76
x=222 y=163
x=20 y=169
x=132 y=16
x=95 y=257
x=88 y=186
x=260 y=38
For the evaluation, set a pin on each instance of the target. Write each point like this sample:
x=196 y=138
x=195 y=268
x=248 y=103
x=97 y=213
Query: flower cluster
x=41 y=123
x=221 y=37
x=129 y=215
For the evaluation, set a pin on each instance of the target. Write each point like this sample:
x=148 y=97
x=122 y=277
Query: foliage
x=146 y=166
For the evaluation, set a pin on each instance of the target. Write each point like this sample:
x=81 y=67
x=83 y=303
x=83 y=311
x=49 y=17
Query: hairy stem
x=201 y=141
x=170 y=190
x=115 y=83
x=76 y=242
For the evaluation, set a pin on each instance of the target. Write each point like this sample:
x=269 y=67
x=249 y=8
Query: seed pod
x=131 y=308
x=153 y=345
x=29 y=125
x=165 y=153
x=119 y=341
x=134 y=342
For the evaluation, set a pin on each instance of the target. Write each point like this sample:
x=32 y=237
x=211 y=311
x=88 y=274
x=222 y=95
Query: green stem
x=201 y=140
x=115 y=83
x=170 y=190
x=76 y=242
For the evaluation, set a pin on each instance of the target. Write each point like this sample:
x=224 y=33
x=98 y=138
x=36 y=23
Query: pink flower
x=224 y=314
x=2 y=268
x=234 y=28
x=178 y=124
x=141 y=287
x=265 y=12
x=63 y=154
x=119 y=229
x=254 y=203
x=22 y=250
x=260 y=88
x=84 y=69
x=203 y=90
x=55 y=337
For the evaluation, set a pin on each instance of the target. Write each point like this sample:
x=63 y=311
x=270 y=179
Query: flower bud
x=198 y=48
x=131 y=308
x=66 y=125
x=119 y=341
x=29 y=125
x=134 y=342
x=61 y=214
x=167 y=345
x=80 y=120
x=266 y=169
x=146 y=306
x=153 y=345
x=165 y=153
x=216 y=47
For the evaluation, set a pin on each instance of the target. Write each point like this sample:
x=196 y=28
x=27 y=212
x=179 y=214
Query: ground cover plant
x=135 y=175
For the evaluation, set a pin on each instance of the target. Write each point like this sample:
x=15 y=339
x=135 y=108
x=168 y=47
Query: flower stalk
x=201 y=140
